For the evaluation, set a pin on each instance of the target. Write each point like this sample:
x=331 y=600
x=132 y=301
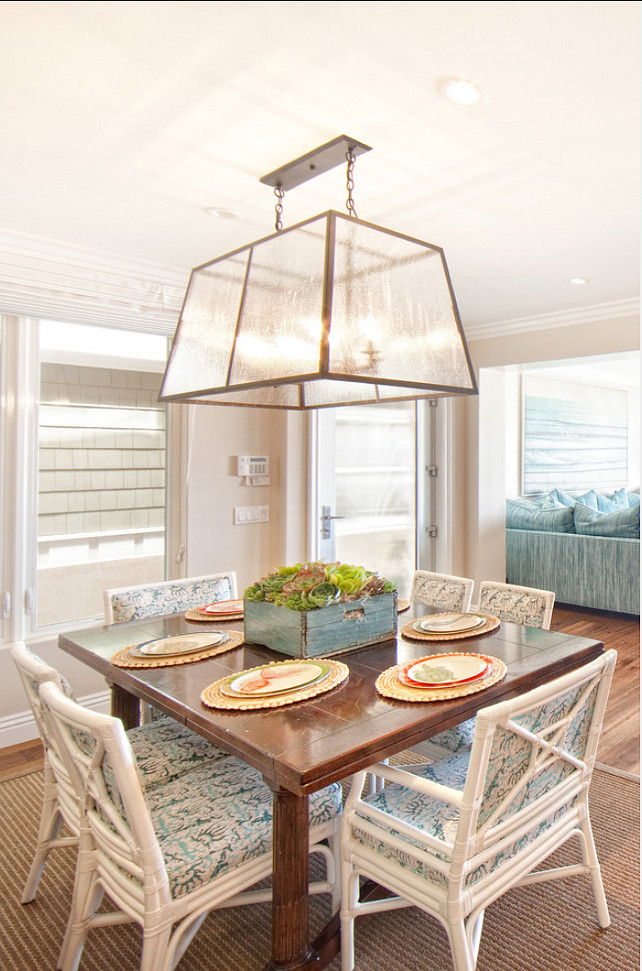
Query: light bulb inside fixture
x=461 y=92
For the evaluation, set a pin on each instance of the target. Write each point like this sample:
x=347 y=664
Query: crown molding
x=564 y=318
x=60 y=281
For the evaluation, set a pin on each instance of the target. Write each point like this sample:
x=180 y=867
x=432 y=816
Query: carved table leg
x=290 y=912
x=125 y=706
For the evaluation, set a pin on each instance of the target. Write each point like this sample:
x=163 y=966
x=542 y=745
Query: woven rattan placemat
x=213 y=697
x=389 y=685
x=491 y=623
x=202 y=618
x=129 y=657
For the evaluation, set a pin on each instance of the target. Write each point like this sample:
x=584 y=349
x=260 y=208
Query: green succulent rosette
x=311 y=586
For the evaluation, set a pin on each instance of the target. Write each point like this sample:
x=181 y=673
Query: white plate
x=445 y=670
x=273 y=679
x=181 y=644
x=223 y=607
x=449 y=623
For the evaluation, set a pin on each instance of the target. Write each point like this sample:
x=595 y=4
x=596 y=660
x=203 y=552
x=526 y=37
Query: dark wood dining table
x=303 y=747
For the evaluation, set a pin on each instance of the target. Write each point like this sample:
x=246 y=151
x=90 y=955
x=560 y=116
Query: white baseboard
x=21 y=727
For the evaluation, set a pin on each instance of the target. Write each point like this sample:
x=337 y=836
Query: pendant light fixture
x=331 y=311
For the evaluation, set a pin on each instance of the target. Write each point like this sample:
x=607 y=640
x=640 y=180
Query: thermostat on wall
x=253 y=465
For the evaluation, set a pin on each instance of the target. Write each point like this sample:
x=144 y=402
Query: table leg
x=290 y=911
x=125 y=706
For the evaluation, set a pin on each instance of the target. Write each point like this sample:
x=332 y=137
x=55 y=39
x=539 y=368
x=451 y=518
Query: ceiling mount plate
x=319 y=160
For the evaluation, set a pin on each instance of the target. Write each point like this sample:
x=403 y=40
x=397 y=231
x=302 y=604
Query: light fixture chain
x=350 y=184
x=279 y=192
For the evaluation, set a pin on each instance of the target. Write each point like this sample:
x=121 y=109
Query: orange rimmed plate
x=444 y=670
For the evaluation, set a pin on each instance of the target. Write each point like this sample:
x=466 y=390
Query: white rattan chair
x=167 y=857
x=442 y=590
x=167 y=597
x=163 y=750
x=452 y=837
x=521 y=605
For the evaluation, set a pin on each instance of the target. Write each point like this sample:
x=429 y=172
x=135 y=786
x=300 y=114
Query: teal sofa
x=586 y=548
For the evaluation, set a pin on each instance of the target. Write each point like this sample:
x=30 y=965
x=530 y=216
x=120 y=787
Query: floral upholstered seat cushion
x=168 y=598
x=456 y=738
x=198 y=843
x=165 y=749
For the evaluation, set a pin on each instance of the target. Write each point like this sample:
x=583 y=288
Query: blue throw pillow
x=623 y=523
x=521 y=514
x=590 y=499
x=556 y=499
x=624 y=499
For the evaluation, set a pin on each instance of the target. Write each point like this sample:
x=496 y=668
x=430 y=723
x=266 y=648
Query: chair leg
x=349 y=899
x=154 y=951
x=50 y=824
x=589 y=856
x=86 y=899
x=474 y=934
x=463 y=957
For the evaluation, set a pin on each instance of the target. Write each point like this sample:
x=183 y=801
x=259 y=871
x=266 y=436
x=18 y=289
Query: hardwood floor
x=620 y=742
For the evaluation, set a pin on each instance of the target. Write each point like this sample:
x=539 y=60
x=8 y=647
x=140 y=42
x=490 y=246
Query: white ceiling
x=121 y=121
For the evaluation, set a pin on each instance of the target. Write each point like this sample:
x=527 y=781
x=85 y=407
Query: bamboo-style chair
x=167 y=857
x=442 y=590
x=163 y=750
x=167 y=597
x=453 y=837
x=520 y=605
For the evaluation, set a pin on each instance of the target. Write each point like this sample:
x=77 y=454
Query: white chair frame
x=60 y=800
x=458 y=903
x=120 y=854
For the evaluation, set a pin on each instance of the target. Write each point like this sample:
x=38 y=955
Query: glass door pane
x=367 y=488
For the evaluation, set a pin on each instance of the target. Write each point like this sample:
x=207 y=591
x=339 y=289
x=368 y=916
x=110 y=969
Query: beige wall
x=217 y=436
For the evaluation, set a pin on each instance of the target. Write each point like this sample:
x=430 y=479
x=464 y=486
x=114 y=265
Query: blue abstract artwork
x=575 y=437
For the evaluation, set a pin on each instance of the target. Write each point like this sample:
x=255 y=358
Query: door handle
x=326 y=517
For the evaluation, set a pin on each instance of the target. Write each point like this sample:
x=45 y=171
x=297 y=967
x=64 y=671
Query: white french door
x=372 y=506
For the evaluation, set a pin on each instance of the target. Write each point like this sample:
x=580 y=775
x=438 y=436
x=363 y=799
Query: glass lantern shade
x=332 y=311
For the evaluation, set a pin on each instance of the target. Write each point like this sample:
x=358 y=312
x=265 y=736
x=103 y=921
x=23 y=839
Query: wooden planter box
x=323 y=632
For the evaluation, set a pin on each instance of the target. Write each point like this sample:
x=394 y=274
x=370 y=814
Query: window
x=90 y=469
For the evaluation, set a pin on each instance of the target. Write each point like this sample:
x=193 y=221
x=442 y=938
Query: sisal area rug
x=550 y=927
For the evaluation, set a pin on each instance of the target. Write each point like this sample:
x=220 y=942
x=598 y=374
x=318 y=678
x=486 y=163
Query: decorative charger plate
x=445 y=670
x=389 y=686
x=204 y=645
x=413 y=632
x=221 y=610
x=448 y=623
x=402 y=605
x=180 y=644
x=333 y=674
x=272 y=679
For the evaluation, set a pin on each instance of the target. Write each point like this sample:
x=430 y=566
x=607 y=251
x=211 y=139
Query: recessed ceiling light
x=578 y=281
x=218 y=213
x=461 y=92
